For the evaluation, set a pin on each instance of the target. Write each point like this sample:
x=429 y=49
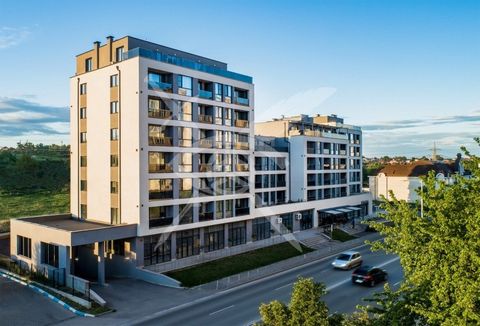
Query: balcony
x=241 y=167
x=154 y=195
x=239 y=211
x=241 y=189
x=311 y=167
x=160 y=114
x=160 y=168
x=228 y=214
x=203 y=118
x=240 y=100
x=205 y=94
x=162 y=221
x=205 y=167
x=159 y=141
x=185 y=193
x=281 y=183
x=205 y=143
x=241 y=145
x=241 y=123
x=205 y=216
x=343 y=152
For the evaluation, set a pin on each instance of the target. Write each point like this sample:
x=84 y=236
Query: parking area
x=20 y=305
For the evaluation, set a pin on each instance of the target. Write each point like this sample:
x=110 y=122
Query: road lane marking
x=283 y=286
x=223 y=309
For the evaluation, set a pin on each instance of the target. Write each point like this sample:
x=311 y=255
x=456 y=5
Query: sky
x=407 y=72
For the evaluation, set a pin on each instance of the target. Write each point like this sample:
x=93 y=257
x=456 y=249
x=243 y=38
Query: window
x=24 y=246
x=261 y=229
x=185 y=214
x=83 y=113
x=83 y=161
x=214 y=238
x=159 y=135
x=287 y=221
x=113 y=80
x=83 y=137
x=49 y=253
x=237 y=234
x=156 y=249
x=186 y=188
x=218 y=91
x=160 y=189
x=188 y=243
x=114 y=107
x=114 y=217
x=113 y=160
x=159 y=162
x=157 y=108
x=218 y=115
x=83 y=89
x=160 y=216
x=185 y=111
x=83 y=185
x=119 y=54
x=184 y=137
x=184 y=85
x=83 y=211
x=88 y=65
x=227 y=94
x=114 y=134
x=185 y=162
x=114 y=187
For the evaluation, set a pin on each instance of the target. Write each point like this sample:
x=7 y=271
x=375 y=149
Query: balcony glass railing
x=241 y=145
x=185 y=193
x=205 y=167
x=161 y=195
x=159 y=56
x=166 y=87
x=160 y=141
x=205 y=143
x=160 y=114
x=162 y=221
x=241 y=100
x=241 y=167
x=205 y=216
x=205 y=94
x=203 y=118
x=160 y=168
x=241 y=123
x=242 y=211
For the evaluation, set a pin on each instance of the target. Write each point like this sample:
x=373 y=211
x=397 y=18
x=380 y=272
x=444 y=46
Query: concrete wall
x=404 y=188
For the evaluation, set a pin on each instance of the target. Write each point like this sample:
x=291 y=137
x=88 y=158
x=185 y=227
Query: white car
x=347 y=260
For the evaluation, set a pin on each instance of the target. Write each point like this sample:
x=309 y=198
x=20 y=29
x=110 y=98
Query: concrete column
x=226 y=235
x=249 y=230
x=202 y=240
x=173 y=245
x=101 y=263
x=315 y=218
x=138 y=248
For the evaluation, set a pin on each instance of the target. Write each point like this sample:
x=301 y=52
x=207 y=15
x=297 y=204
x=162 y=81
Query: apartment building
x=166 y=171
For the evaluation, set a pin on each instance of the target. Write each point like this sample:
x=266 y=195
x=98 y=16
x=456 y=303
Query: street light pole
x=421 y=198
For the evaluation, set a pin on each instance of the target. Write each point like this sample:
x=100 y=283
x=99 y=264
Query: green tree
x=305 y=307
x=439 y=251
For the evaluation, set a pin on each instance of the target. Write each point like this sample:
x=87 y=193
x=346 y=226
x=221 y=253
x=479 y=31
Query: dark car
x=369 y=275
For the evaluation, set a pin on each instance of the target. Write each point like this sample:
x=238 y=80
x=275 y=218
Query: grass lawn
x=40 y=203
x=224 y=267
x=341 y=235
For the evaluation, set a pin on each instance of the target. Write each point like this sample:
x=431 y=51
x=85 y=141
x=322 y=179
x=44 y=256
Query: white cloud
x=19 y=116
x=12 y=36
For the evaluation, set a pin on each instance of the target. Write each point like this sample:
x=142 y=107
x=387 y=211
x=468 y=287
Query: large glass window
x=287 y=221
x=185 y=111
x=24 y=246
x=159 y=81
x=218 y=91
x=184 y=85
x=227 y=94
x=261 y=229
x=88 y=64
x=185 y=164
x=214 y=238
x=119 y=54
x=188 y=243
x=185 y=213
x=237 y=234
x=156 y=249
x=186 y=188
x=158 y=162
x=157 y=108
x=185 y=137
x=160 y=189
x=49 y=253
x=160 y=216
x=159 y=135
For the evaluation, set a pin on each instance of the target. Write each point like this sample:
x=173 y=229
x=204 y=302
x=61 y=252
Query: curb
x=48 y=295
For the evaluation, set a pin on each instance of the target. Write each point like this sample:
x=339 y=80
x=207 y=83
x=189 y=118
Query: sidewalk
x=327 y=249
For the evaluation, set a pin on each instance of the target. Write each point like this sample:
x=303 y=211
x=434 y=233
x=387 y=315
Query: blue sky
x=408 y=72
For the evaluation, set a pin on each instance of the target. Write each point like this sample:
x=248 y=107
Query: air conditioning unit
x=279 y=220
x=298 y=216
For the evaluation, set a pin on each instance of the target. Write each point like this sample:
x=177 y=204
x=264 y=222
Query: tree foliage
x=305 y=307
x=439 y=251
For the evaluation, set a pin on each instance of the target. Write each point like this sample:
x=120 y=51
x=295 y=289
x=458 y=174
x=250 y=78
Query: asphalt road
x=20 y=305
x=239 y=306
